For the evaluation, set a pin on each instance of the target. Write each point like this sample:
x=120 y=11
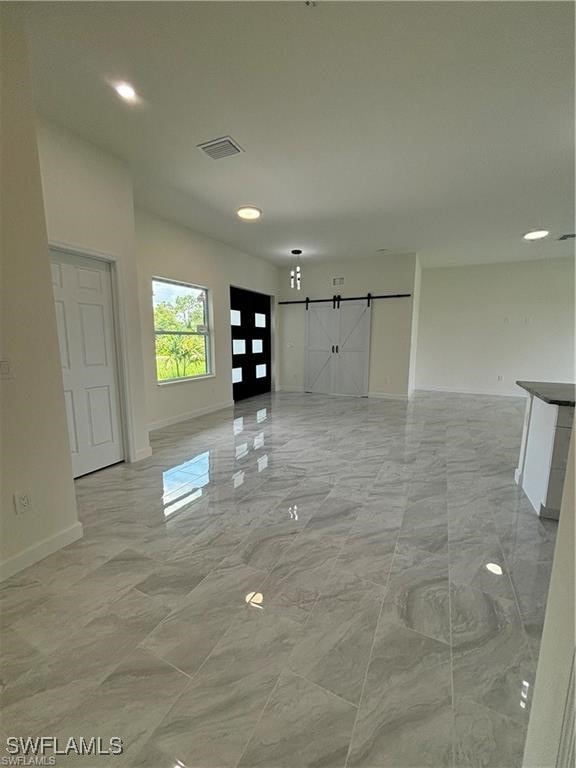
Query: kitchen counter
x=550 y=392
x=546 y=437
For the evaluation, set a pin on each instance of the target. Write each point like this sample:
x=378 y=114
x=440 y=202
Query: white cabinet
x=544 y=453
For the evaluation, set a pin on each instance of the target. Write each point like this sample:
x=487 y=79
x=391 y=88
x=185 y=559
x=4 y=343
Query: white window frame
x=208 y=333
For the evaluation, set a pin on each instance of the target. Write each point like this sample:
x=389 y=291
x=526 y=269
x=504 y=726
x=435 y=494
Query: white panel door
x=321 y=333
x=352 y=358
x=85 y=321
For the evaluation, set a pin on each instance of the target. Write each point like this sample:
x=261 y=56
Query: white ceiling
x=440 y=128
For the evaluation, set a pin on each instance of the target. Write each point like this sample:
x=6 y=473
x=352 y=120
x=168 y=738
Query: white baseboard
x=464 y=391
x=39 y=551
x=189 y=415
x=387 y=396
x=141 y=454
x=379 y=395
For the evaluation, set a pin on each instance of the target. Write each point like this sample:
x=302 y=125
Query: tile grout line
x=515 y=593
x=191 y=678
x=369 y=661
x=261 y=715
x=285 y=667
x=321 y=687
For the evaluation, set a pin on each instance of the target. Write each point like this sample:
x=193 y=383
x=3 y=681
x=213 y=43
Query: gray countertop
x=551 y=392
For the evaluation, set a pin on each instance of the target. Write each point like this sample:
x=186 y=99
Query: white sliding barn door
x=321 y=332
x=353 y=356
x=337 y=355
x=85 y=319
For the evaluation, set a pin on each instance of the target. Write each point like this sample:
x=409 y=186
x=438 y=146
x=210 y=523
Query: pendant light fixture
x=296 y=272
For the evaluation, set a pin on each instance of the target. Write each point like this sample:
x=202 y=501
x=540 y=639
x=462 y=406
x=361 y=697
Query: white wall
x=89 y=209
x=168 y=250
x=511 y=320
x=391 y=318
x=35 y=457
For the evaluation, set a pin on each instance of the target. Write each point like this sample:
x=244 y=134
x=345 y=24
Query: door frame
x=120 y=338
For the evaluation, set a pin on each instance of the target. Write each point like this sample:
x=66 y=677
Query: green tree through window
x=181 y=330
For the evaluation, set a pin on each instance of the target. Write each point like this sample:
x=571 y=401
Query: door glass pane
x=236 y=375
x=257 y=346
x=259 y=320
x=260 y=371
x=235 y=317
x=241 y=450
x=238 y=346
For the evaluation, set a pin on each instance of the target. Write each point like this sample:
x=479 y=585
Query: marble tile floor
x=300 y=581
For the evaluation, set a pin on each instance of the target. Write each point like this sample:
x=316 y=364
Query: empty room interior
x=287 y=384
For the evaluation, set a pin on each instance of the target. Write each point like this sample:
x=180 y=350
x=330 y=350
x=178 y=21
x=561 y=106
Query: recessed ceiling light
x=537 y=234
x=126 y=91
x=249 y=213
x=494 y=568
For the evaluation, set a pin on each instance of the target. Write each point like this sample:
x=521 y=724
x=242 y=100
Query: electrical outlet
x=22 y=502
x=499 y=378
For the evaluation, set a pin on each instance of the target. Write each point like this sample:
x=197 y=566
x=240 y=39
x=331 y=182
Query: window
x=257 y=346
x=261 y=371
x=182 y=331
x=259 y=320
x=238 y=347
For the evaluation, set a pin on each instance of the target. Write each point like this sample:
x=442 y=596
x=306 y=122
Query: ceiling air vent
x=337 y=281
x=568 y=237
x=219 y=148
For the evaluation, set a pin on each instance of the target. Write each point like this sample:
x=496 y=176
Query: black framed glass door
x=251 y=343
